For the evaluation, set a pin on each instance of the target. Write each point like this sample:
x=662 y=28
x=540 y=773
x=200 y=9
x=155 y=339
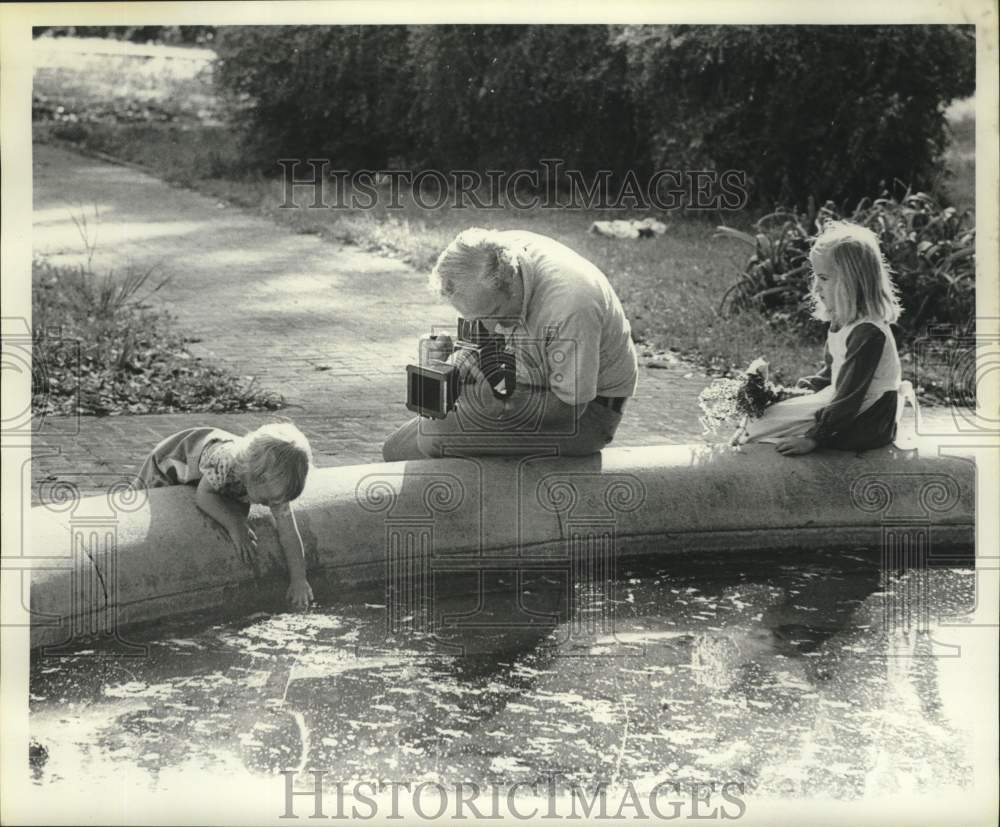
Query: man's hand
x=439 y=348
x=480 y=393
x=245 y=541
x=794 y=446
x=299 y=595
x=464 y=360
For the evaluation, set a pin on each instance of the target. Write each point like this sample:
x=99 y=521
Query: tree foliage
x=831 y=112
x=823 y=111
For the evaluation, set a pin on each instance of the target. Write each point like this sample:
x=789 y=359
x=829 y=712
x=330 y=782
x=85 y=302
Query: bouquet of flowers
x=741 y=399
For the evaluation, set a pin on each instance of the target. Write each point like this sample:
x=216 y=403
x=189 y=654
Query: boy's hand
x=245 y=541
x=793 y=446
x=299 y=595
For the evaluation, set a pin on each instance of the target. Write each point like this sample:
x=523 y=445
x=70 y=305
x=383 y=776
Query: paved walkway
x=330 y=327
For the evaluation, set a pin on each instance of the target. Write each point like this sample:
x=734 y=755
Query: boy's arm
x=230 y=514
x=299 y=592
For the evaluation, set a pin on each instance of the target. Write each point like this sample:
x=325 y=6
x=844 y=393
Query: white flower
x=758 y=366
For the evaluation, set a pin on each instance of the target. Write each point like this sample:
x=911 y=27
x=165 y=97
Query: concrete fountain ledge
x=107 y=563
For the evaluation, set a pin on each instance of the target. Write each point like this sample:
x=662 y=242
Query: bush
x=506 y=97
x=931 y=252
x=338 y=92
x=432 y=96
x=776 y=277
x=831 y=110
x=97 y=348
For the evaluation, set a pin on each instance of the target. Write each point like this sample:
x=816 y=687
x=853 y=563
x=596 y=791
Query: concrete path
x=330 y=327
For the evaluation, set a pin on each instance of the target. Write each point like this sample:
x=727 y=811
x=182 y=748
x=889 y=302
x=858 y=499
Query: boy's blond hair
x=863 y=288
x=277 y=452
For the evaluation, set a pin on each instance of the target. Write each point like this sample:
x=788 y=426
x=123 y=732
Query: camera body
x=433 y=388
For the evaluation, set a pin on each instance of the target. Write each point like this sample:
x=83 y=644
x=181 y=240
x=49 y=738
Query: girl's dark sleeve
x=864 y=351
x=819 y=380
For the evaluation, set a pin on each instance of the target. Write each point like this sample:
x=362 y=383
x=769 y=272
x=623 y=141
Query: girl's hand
x=245 y=541
x=299 y=595
x=793 y=446
x=737 y=438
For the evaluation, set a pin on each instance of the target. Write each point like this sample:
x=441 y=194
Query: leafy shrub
x=831 y=110
x=432 y=96
x=508 y=96
x=931 y=252
x=338 y=92
x=776 y=277
x=97 y=348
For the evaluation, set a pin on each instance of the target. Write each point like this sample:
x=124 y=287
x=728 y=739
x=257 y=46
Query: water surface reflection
x=778 y=672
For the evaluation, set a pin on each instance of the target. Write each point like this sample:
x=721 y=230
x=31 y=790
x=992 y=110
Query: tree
x=822 y=111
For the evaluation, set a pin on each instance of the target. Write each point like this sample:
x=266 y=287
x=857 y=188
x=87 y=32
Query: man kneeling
x=570 y=341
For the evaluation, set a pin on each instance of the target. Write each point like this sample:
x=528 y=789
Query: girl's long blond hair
x=863 y=287
x=276 y=452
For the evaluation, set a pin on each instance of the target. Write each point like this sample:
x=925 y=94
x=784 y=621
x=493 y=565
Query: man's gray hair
x=476 y=256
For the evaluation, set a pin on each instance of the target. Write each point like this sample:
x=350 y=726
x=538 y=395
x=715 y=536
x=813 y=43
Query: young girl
x=267 y=466
x=855 y=401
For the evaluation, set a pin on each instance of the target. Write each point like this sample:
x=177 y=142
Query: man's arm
x=556 y=415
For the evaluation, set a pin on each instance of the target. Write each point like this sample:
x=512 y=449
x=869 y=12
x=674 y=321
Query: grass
x=99 y=348
x=94 y=75
x=670 y=285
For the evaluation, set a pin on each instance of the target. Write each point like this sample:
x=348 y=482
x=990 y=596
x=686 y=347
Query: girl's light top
x=886 y=373
x=863 y=367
